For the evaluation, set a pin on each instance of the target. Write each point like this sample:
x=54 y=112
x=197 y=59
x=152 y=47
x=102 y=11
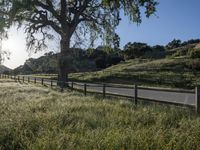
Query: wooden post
x=104 y=90
x=72 y=84
x=62 y=86
x=35 y=81
x=18 y=79
x=136 y=94
x=28 y=79
x=23 y=78
x=51 y=83
x=42 y=81
x=85 y=89
x=197 y=99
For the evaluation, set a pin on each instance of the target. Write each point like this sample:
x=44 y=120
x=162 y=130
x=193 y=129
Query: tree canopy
x=98 y=18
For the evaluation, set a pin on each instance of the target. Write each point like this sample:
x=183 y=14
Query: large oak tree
x=75 y=19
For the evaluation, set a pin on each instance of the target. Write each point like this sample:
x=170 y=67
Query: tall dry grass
x=39 y=118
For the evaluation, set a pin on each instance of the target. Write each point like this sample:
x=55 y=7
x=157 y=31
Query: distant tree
x=114 y=60
x=158 y=48
x=136 y=50
x=194 y=53
x=89 y=52
x=70 y=19
x=49 y=54
x=192 y=41
x=173 y=44
x=100 y=62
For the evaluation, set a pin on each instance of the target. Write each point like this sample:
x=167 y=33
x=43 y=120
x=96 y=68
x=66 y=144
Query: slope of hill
x=4 y=69
x=176 y=72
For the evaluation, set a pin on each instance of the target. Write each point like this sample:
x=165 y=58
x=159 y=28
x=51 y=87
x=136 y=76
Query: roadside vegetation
x=40 y=118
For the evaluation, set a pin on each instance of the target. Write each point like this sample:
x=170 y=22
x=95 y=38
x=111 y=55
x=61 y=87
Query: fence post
x=62 y=86
x=23 y=78
x=42 y=81
x=197 y=99
x=136 y=94
x=104 y=90
x=72 y=84
x=51 y=83
x=35 y=80
x=85 y=89
x=28 y=79
x=18 y=79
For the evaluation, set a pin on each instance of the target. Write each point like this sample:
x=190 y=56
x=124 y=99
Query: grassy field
x=40 y=118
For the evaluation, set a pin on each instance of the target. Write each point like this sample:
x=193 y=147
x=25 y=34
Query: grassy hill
x=179 y=72
x=39 y=118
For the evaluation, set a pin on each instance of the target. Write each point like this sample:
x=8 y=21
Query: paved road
x=166 y=96
x=179 y=97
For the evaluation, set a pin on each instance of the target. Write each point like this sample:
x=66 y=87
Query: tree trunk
x=64 y=60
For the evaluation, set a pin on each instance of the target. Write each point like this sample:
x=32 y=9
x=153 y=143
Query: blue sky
x=174 y=19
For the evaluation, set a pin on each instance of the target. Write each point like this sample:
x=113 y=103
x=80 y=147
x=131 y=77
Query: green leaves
x=96 y=19
x=132 y=8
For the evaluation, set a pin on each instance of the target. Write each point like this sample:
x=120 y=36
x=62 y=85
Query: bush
x=136 y=50
x=194 y=64
x=100 y=63
x=173 y=44
x=194 y=53
x=114 y=60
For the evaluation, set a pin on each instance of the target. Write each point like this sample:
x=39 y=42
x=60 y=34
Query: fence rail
x=135 y=92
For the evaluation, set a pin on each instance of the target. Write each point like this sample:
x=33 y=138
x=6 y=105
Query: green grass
x=176 y=73
x=40 y=118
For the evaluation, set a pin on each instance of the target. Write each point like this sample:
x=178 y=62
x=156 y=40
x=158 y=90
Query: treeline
x=106 y=56
x=176 y=43
x=93 y=59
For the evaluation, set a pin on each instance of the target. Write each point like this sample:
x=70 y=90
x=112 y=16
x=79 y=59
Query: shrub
x=136 y=50
x=194 y=53
x=194 y=64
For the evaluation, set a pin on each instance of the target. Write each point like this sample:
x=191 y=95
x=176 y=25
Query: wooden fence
x=87 y=88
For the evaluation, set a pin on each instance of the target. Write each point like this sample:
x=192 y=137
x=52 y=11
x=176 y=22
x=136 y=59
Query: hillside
x=4 y=69
x=48 y=64
x=179 y=69
x=168 y=72
x=40 y=118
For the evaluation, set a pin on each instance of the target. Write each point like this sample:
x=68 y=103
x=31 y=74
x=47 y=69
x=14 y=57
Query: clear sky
x=174 y=19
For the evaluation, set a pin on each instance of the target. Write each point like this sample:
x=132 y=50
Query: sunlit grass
x=40 y=118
